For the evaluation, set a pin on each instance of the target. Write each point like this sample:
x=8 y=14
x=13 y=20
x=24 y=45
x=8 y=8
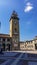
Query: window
x=3 y=39
x=15 y=30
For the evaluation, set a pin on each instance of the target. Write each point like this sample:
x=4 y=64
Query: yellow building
x=9 y=42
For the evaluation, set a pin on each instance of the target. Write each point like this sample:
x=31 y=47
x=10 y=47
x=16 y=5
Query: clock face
x=15 y=22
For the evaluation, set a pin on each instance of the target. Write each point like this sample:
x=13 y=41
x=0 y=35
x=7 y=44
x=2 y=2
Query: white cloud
x=28 y=7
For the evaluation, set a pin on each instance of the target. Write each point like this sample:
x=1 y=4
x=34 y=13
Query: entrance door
x=8 y=47
x=0 y=46
x=36 y=46
x=3 y=45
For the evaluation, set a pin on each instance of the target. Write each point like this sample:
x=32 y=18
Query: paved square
x=18 y=58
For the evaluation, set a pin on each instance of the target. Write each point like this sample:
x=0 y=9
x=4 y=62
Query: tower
x=14 y=30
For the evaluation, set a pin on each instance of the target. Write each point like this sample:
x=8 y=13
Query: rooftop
x=4 y=35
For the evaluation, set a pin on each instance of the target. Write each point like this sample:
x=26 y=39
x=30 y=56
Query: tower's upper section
x=14 y=24
x=14 y=16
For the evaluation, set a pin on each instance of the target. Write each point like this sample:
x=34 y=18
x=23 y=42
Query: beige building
x=9 y=42
x=29 y=45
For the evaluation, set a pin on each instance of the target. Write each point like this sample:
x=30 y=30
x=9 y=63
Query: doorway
x=3 y=45
x=36 y=46
x=8 y=47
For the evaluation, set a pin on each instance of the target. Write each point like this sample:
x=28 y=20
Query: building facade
x=5 y=42
x=29 y=45
x=9 y=42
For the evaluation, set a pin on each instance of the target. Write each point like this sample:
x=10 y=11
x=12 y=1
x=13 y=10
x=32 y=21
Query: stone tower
x=14 y=31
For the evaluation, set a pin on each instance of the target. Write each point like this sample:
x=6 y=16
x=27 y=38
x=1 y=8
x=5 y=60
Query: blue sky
x=27 y=12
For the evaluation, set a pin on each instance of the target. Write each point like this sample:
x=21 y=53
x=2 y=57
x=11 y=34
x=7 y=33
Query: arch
x=36 y=46
x=8 y=47
x=3 y=46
